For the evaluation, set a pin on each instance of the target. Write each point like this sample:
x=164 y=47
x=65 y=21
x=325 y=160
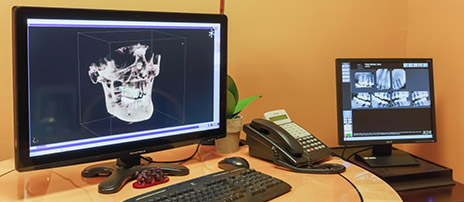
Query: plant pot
x=230 y=143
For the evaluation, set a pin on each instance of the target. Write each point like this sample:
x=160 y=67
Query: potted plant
x=230 y=143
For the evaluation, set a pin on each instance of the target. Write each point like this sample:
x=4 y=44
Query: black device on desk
x=92 y=85
x=238 y=184
x=382 y=102
x=285 y=143
x=233 y=162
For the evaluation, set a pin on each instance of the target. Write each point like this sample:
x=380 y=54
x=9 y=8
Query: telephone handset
x=276 y=138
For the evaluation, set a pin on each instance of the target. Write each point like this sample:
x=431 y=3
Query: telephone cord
x=327 y=168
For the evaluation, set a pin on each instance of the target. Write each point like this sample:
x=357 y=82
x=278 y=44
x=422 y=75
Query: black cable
x=357 y=190
x=7 y=172
x=357 y=152
x=177 y=161
x=343 y=152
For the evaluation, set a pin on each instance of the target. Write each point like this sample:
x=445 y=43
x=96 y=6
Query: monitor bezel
x=340 y=129
x=23 y=162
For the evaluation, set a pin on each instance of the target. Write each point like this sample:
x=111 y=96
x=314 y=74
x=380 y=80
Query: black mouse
x=233 y=162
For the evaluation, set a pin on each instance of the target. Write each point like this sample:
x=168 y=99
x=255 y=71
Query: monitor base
x=426 y=175
x=397 y=158
x=119 y=173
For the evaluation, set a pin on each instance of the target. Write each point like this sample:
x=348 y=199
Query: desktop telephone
x=276 y=138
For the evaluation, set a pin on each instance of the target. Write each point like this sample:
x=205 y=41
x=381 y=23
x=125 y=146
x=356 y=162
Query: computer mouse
x=233 y=162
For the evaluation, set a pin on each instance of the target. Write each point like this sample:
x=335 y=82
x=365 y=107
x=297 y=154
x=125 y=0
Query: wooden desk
x=66 y=182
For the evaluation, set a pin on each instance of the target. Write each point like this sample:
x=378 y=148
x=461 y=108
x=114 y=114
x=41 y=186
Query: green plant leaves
x=243 y=103
x=231 y=103
x=232 y=87
x=234 y=107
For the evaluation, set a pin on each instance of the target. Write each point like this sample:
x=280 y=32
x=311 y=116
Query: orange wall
x=286 y=50
x=435 y=29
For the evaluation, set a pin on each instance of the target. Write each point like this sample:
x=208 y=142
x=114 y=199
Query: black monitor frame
x=24 y=162
x=381 y=147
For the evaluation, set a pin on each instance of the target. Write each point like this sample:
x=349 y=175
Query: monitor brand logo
x=137 y=152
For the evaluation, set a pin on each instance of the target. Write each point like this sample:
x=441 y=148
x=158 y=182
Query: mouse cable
x=150 y=160
x=354 y=186
x=7 y=172
x=326 y=168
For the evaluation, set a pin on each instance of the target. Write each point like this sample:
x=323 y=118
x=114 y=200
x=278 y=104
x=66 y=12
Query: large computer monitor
x=382 y=102
x=91 y=85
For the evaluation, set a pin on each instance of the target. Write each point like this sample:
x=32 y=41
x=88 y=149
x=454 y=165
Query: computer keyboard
x=239 y=184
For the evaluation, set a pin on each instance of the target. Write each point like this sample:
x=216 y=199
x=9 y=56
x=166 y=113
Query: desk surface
x=66 y=182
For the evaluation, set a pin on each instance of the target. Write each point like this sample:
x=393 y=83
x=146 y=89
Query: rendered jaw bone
x=128 y=85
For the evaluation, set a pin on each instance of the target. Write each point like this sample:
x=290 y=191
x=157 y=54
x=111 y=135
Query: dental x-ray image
x=364 y=79
x=383 y=79
x=420 y=98
x=381 y=99
x=400 y=99
x=361 y=100
x=127 y=80
x=398 y=79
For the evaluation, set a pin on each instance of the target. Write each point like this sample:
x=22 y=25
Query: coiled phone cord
x=327 y=168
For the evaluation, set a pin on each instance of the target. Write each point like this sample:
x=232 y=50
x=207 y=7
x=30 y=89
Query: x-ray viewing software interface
x=385 y=101
x=97 y=83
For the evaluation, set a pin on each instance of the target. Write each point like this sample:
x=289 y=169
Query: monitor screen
x=95 y=84
x=385 y=101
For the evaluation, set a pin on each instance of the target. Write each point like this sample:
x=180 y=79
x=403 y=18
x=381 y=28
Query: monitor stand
x=383 y=156
x=124 y=170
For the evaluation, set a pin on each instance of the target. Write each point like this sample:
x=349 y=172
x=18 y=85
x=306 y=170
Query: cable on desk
x=347 y=158
x=357 y=190
x=177 y=161
x=7 y=172
x=343 y=152
x=72 y=183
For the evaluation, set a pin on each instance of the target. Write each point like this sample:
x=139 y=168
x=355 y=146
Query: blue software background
x=55 y=107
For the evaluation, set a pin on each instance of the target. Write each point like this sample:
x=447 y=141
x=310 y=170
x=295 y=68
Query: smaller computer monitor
x=382 y=102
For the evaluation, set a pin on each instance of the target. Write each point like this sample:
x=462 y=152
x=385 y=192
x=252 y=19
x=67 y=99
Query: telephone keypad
x=309 y=142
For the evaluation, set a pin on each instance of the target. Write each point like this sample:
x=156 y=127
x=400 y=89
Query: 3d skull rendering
x=127 y=79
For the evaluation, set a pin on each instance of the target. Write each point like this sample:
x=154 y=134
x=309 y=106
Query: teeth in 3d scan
x=127 y=79
x=383 y=79
x=400 y=98
x=364 y=80
x=420 y=98
x=381 y=99
x=398 y=78
x=361 y=100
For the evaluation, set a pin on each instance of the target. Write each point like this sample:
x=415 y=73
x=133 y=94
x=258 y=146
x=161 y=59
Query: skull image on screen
x=127 y=79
